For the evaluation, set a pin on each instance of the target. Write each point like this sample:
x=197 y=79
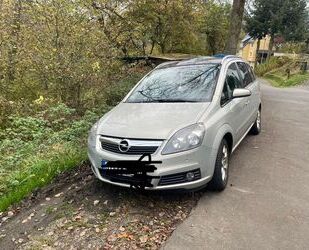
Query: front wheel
x=221 y=172
x=256 y=128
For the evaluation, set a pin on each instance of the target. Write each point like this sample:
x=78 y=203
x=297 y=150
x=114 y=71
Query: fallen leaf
x=96 y=202
x=58 y=195
x=111 y=238
x=143 y=239
x=10 y=214
x=78 y=217
x=5 y=219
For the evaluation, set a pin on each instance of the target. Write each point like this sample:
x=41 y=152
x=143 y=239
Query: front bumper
x=197 y=159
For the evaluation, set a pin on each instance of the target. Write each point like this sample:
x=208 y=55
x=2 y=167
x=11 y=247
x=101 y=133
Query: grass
x=42 y=172
x=278 y=79
x=273 y=64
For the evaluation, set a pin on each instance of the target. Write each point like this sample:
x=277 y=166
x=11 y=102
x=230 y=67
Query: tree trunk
x=270 y=47
x=257 y=52
x=152 y=46
x=14 y=36
x=235 y=26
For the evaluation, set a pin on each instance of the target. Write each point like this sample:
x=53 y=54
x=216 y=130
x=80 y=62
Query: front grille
x=134 y=150
x=178 y=178
x=137 y=147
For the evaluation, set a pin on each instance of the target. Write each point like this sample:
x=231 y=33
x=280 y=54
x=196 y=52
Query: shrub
x=271 y=64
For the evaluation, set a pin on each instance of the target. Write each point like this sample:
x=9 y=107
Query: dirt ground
x=77 y=211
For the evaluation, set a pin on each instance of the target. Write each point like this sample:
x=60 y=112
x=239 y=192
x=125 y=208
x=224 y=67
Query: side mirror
x=239 y=93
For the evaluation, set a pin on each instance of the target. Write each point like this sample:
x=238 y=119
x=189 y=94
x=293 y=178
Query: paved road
x=267 y=206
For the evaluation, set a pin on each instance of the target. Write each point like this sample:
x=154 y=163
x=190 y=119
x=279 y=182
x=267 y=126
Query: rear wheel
x=221 y=172
x=256 y=128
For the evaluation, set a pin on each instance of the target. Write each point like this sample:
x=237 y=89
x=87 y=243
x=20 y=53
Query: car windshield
x=194 y=83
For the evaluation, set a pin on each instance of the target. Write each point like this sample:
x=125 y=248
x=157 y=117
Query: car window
x=245 y=74
x=251 y=72
x=191 y=83
x=232 y=81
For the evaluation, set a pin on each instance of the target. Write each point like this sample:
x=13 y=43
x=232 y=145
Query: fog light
x=190 y=176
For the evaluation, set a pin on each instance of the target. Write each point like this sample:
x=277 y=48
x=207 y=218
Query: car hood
x=149 y=120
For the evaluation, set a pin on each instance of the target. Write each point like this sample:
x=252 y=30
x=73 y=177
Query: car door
x=235 y=108
x=248 y=83
x=256 y=94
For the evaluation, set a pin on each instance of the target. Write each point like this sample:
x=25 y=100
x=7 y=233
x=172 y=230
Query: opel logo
x=124 y=146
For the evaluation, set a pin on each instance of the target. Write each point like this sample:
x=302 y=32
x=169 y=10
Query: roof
x=247 y=39
x=217 y=59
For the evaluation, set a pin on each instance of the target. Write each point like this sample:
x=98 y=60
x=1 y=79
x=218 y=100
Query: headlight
x=185 y=139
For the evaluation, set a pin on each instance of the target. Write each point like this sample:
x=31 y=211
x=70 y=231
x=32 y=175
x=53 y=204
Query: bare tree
x=235 y=26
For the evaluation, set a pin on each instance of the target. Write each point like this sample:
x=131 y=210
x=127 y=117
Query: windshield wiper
x=143 y=94
x=172 y=100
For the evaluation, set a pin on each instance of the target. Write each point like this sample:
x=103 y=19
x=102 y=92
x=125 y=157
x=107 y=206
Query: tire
x=256 y=128
x=221 y=173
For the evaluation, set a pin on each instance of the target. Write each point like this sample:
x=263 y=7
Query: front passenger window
x=232 y=81
x=245 y=74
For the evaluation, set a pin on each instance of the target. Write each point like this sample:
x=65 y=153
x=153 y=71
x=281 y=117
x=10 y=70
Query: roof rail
x=230 y=56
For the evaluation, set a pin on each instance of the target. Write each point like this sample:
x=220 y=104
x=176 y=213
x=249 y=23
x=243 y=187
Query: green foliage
x=34 y=150
x=275 y=70
x=37 y=146
x=117 y=91
x=286 y=18
x=292 y=47
x=42 y=170
x=279 y=79
x=214 y=24
x=271 y=64
x=65 y=51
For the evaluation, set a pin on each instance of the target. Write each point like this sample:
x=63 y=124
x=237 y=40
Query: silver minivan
x=177 y=128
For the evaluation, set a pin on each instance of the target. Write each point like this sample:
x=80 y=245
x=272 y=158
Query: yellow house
x=248 y=49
